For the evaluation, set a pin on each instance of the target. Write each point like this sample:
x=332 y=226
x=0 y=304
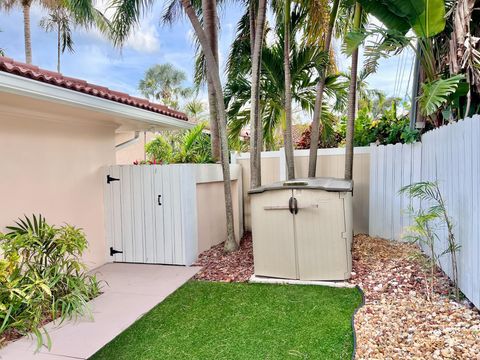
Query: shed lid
x=323 y=183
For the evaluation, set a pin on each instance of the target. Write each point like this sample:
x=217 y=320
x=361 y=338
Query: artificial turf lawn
x=209 y=320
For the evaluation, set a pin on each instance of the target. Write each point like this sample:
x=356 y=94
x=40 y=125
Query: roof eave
x=149 y=120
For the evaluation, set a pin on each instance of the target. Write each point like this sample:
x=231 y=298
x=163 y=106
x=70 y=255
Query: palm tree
x=290 y=161
x=209 y=17
x=195 y=110
x=25 y=5
x=127 y=14
x=305 y=59
x=257 y=27
x=82 y=10
x=163 y=82
x=58 y=20
x=315 y=132
x=352 y=99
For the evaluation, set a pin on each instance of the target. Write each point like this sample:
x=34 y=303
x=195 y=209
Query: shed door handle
x=276 y=208
x=159 y=200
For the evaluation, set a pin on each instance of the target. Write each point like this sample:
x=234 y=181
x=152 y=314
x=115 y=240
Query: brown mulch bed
x=234 y=267
x=397 y=321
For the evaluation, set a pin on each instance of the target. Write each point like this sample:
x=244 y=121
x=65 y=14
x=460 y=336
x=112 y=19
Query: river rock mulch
x=397 y=320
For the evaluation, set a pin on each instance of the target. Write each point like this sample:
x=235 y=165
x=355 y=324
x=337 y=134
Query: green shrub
x=387 y=128
x=191 y=146
x=42 y=277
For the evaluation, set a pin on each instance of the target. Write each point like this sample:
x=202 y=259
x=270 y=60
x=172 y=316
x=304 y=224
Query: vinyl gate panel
x=151 y=214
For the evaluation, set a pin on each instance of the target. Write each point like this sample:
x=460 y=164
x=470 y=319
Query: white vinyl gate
x=151 y=214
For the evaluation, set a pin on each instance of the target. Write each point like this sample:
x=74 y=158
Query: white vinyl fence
x=449 y=155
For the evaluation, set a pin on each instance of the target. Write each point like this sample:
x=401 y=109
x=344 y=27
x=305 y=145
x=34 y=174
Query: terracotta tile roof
x=35 y=73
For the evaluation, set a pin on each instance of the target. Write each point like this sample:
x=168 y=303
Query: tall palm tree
x=209 y=18
x=257 y=27
x=315 y=132
x=59 y=20
x=352 y=99
x=214 y=74
x=289 y=157
x=127 y=15
x=25 y=5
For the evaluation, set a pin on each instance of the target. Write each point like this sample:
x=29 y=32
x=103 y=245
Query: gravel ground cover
x=397 y=321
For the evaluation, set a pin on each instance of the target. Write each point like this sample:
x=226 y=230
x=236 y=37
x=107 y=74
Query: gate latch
x=110 y=179
x=113 y=251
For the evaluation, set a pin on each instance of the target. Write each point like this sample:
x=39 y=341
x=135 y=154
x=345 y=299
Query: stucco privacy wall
x=330 y=163
x=53 y=166
x=212 y=225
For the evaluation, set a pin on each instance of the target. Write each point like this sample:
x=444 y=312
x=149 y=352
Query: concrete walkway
x=132 y=290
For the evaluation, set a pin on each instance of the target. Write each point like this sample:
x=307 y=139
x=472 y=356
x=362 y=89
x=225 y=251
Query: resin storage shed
x=302 y=229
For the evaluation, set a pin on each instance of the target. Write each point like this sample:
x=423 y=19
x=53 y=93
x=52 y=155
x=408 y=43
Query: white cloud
x=144 y=39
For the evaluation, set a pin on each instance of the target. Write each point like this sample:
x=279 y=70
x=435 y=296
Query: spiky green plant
x=191 y=146
x=42 y=277
x=427 y=221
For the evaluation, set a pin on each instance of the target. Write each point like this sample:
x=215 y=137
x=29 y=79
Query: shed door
x=320 y=229
x=146 y=213
x=274 y=244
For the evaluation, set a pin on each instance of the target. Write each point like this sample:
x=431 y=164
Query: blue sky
x=96 y=61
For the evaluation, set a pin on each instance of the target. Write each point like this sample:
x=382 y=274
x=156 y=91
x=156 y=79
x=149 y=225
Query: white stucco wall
x=53 y=166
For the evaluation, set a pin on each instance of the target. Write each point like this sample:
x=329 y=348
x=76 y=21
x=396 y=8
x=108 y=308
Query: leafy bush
x=42 y=277
x=191 y=146
x=388 y=128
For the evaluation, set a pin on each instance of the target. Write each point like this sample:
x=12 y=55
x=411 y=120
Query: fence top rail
x=306 y=152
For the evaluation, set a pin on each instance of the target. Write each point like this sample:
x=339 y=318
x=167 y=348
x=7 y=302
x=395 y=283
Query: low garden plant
x=42 y=277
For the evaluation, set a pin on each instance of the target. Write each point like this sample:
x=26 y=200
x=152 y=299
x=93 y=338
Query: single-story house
x=57 y=135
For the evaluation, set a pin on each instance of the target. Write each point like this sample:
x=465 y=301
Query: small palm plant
x=427 y=221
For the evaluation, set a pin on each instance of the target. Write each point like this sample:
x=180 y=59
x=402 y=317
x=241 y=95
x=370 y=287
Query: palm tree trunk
x=287 y=135
x=317 y=113
x=209 y=11
x=27 y=33
x=59 y=51
x=256 y=138
x=213 y=70
x=352 y=97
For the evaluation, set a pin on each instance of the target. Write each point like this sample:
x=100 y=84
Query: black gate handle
x=290 y=205
x=159 y=200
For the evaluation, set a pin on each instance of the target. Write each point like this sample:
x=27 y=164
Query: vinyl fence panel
x=449 y=155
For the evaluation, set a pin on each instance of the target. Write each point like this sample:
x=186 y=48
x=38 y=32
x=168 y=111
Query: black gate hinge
x=110 y=179
x=113 y=251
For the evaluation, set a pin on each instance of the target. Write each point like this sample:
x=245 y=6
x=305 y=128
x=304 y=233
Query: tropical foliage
x=42 y=277
x=305 y=62
x=191 y=146
x=164 y=83
x=428 y=221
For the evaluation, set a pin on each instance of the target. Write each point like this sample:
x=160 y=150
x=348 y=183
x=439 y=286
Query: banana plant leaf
x=425 y=17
